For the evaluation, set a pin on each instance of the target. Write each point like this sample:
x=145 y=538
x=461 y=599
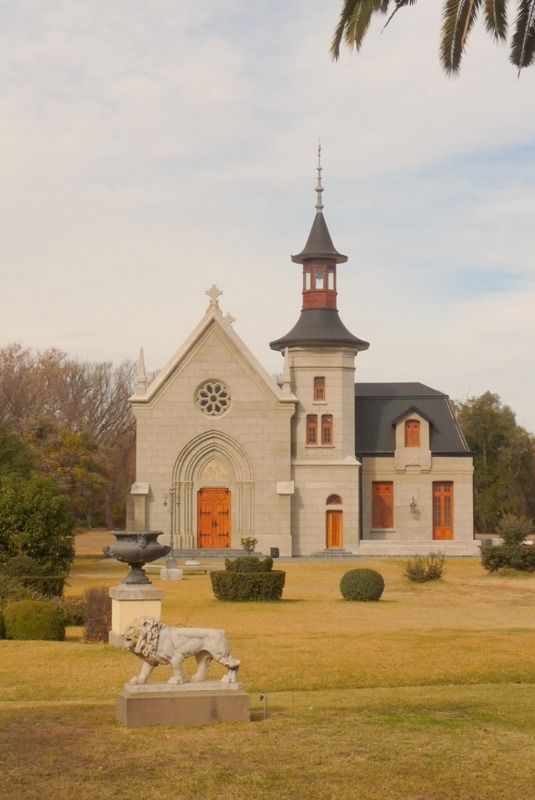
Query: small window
x=330 y=279
x=319 y=279
x=333 y=500
x=382 y=504
x=319 y=388
x=412 y=433
x=307 y=283
x=312 y=428
x=327 y=429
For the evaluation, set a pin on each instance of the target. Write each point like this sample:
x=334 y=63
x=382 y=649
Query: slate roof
x=319 y=243
x=321 y=327
x=378 y=406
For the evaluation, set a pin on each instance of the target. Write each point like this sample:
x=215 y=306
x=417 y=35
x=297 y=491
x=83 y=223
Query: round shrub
x=249 y=564
x=362 y=584
x=34 y=619
x=242 y=586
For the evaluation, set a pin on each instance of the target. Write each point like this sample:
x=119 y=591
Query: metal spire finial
x=319 y=187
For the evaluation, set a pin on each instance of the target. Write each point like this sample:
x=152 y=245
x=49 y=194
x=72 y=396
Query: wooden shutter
x=382 y=504
x=312 y=428
x=319 y=388
x=327 y=429
x=412 y=433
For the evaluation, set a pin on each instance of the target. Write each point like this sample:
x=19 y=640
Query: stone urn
x=136 y=548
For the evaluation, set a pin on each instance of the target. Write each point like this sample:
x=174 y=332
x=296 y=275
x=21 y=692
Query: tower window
x=319 y=279
x=382 y=504
x=319 y=388
x=307 y=280
x=327 y=429
x=312 y=428
x=330 y=279
x=412 y=433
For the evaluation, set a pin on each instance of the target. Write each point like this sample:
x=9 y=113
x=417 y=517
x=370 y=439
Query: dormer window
x=412 y=433
x=319 y=389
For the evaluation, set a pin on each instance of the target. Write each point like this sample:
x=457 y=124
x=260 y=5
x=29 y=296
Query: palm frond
x=496 y=18
x=523 y=44
x=353 y=23
x=459 y=16
x=399 y=4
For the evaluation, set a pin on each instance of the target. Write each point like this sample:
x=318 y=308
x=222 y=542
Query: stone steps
x=213 y=555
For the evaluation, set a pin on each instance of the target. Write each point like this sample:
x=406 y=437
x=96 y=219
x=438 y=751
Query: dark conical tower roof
x=319 y=243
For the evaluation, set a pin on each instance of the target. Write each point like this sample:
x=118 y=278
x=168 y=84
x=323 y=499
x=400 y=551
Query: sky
x=151 y=149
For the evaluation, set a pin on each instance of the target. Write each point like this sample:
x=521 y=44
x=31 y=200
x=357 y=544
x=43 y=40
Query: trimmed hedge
x=362 y=584
x=242 y=586
x=34 y=619
x=249 y=564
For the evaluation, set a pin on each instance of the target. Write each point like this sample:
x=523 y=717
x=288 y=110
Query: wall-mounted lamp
x=413 y=506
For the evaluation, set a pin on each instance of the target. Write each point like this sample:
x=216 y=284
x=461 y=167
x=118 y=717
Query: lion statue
x=157 y=643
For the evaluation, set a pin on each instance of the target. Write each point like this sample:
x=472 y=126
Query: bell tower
x=320 y=359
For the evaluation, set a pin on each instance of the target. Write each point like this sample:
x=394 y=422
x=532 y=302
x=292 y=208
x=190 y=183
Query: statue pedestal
x=130 y=602
x=204 y=703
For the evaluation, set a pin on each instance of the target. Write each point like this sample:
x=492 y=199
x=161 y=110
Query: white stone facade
x=251 y=444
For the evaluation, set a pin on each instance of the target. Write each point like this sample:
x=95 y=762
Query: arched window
x=412 y=433
x=319 y=388
x=312 y=428
x=327 y=429
x=333 y=500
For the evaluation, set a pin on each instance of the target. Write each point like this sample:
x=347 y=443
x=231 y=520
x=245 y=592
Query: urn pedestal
x=135 y=596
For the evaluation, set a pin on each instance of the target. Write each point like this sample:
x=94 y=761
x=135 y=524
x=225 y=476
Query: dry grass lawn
x=427 y=695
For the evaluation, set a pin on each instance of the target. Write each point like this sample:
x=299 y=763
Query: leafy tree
x=73 y=460
x=504 y=463
x=36 y=532
x=458 y=19
x=15 y=458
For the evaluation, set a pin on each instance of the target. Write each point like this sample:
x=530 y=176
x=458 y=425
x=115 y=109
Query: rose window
x=213 y=398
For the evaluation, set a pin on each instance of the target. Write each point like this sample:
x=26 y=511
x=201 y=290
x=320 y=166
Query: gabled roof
x=213 y=317
x=379 y=406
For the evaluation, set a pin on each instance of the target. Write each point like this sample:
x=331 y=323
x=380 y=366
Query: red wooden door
x=443 y=510
x=213 y=519
x=335 y=538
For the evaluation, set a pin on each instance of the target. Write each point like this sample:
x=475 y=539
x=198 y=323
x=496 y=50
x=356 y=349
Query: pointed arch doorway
x=214 y=518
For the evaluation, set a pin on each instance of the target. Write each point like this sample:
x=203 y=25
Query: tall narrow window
x=319 y=388
x=330 y=279
x=308 y=282
x=412 y=433
x=382 y=504
x=319 y=279
x=327 y=429
x=442 y=509
x=312 y=428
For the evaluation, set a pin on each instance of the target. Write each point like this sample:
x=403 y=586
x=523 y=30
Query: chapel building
x=313 y=464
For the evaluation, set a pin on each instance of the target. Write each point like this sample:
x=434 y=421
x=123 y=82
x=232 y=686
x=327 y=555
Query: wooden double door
x=335 y=530
x=213 y=519
x=443 y=510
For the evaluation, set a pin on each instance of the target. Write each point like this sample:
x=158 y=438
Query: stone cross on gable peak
x=214 y=294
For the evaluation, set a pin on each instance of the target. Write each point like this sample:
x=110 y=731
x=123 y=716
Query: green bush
x=249 y=564
x=425 y=568
x=242 y=586
x=14 y=589
x=36 y=532
x=249 y=543
x=362 y=584
x=97 y=614
x=505 y=556
x=513 y=530
x=34 y=619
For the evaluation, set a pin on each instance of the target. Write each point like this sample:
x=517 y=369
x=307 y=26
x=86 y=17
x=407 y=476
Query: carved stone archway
x=212 y=458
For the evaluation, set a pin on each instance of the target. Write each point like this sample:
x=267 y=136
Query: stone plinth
x=203 y=703
x=171 y=574
x=130 y=602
